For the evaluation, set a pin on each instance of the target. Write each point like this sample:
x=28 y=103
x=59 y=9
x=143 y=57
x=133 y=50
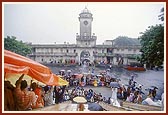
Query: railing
x=53 y=54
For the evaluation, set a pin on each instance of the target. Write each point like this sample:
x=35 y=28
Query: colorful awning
x=15 y=63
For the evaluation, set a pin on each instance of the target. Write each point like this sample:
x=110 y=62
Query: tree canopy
x=11 y=44
x=161 y=16
x=152 y=41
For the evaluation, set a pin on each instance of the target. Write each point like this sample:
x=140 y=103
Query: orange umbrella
x=15 y=63
x=18 y=60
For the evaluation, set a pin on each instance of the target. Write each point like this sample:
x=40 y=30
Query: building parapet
x=75 y=45
x=85 y=38
x=53 y=45
x=52 y=54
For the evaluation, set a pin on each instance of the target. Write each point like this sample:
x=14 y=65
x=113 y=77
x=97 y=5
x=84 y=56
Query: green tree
x=11 y=44
x=152 y=41
x=161 y=16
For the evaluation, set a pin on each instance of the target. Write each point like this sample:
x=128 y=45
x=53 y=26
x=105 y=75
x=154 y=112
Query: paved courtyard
x=147 y=78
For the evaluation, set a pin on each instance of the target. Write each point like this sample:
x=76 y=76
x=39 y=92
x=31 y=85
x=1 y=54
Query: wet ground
x=147 y=78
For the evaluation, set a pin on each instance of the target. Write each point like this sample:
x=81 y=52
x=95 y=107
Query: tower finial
x=86 y=6
x=85 y=10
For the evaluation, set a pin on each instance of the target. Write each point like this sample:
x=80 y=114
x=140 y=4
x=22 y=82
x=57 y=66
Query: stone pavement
x=126 y=106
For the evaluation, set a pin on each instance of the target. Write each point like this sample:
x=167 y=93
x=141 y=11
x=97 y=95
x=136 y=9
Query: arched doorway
x=84 y=57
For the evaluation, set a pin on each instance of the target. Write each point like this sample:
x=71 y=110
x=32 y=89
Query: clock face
x=85 y=22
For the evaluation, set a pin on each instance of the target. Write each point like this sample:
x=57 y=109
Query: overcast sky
x=58 y=22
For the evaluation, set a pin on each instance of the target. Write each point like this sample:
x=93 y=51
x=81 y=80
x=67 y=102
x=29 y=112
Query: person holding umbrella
x=80 y=100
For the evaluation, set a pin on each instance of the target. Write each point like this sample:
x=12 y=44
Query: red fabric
x=8 y=68
x=14 y=63
x=40 y=101
x=18 y=60
x=79 y=76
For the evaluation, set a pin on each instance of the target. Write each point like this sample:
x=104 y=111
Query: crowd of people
x=24 y=97
x=102 y=79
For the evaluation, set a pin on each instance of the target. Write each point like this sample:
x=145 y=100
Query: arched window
x=102 y=50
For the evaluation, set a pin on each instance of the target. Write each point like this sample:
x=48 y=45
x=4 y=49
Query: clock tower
x=86 y=38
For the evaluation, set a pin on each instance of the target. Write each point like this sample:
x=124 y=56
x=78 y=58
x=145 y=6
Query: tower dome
x=85 y=10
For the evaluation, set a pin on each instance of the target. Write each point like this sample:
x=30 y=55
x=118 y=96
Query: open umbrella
x=62 y=70
x=79 y=99
x=14 y=77
x=17 y=64
x=95 y=107
x=78 y=76
x=69 y=71
x=108 y=69
x=154 y=87
x=114 y=84
x=99 y=75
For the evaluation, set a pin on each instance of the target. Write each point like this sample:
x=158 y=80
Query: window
x=129 y=49
x=102 y=50
x=61 y=50
x=67 y=51
x=74 y=51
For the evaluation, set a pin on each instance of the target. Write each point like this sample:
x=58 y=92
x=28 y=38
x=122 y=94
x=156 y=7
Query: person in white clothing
x=113 y=99
x=162 y=102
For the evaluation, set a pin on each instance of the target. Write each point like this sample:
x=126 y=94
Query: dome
x=85 y=10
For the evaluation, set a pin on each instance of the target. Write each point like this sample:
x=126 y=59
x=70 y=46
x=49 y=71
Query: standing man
x=154 y=92
x=59 y=93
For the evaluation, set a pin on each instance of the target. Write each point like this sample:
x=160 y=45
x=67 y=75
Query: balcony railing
x=53 y=54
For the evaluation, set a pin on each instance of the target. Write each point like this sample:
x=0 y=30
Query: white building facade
x=85 y=48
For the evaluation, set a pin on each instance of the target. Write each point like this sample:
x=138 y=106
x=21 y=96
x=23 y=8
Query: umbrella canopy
x=114 y=84
x=108 y=69
x=69 y=71
x=99 y=75
x=62 y=70
x=154 y=87
x=17 y=64
x=78 y=76
x=14 y=77
x=102 y=72
x=79 y=100
x=95 y=107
